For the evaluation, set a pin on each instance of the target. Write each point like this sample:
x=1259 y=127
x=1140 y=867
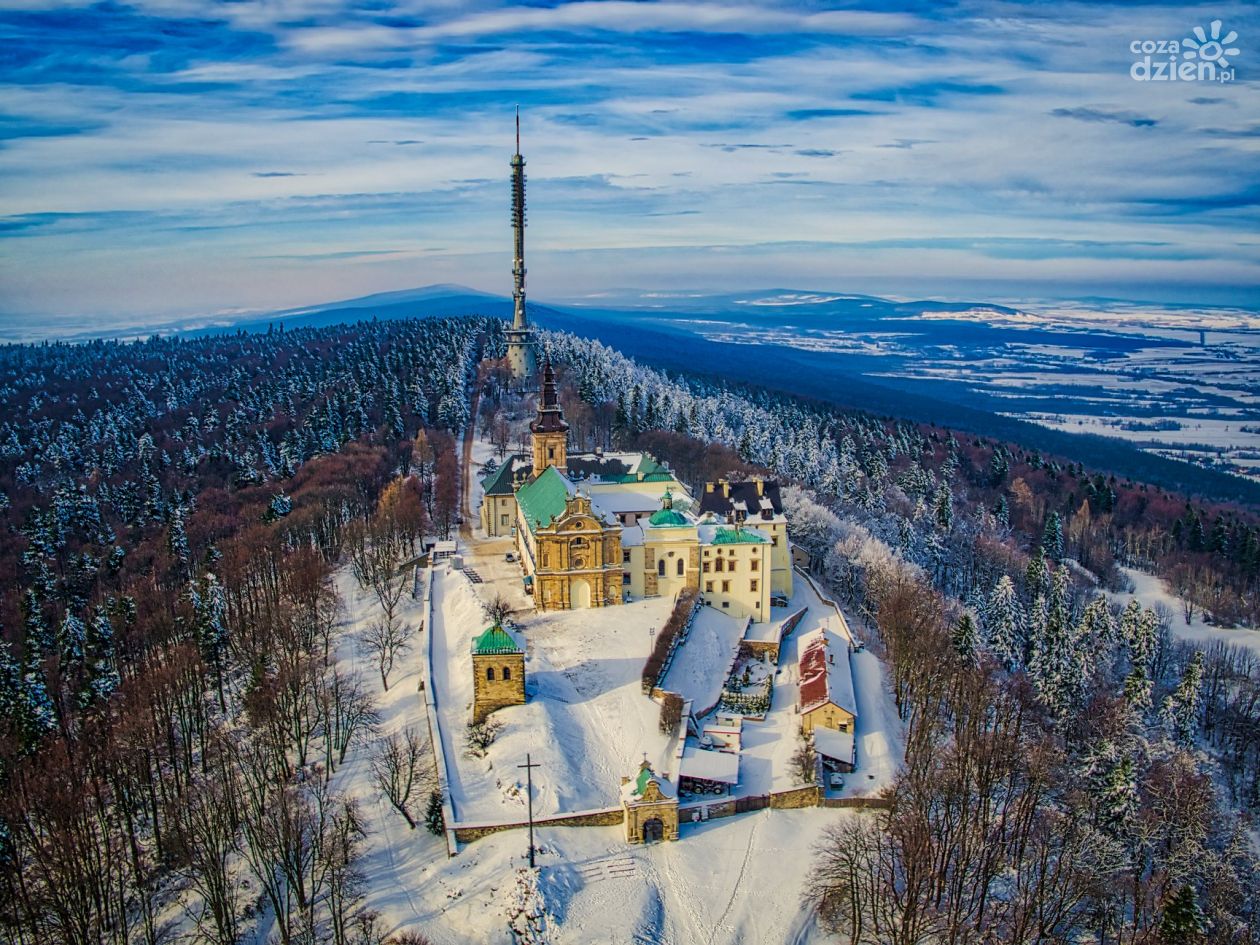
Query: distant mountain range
x=905 y=359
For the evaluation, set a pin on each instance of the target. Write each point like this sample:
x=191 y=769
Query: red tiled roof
x=824 y=680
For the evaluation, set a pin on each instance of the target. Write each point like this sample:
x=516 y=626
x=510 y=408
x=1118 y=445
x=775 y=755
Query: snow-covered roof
x=631 y=536
x=834 y=744
x=710 y=765
x=825 y=673
x=619 y=500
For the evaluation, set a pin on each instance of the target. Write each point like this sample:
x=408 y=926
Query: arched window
x=660 y=567
x=680 y=567
x=490 y=673
x=507 y=673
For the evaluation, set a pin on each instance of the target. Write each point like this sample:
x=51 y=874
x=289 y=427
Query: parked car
x=837 y=781
x=509 y=557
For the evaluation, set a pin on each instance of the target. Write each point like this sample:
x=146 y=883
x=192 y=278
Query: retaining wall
x=607 y=817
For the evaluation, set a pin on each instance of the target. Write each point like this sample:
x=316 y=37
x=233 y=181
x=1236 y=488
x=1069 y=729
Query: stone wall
x=491 y=694
x=807 y=796
x=609 y=817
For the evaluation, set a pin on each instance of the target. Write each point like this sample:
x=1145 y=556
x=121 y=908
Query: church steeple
x=521 y=349
x=549 y=432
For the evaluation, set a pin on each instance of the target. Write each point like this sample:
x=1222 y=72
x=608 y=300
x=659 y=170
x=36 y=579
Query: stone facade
x=498 y=668
x=651 y=812
x=575 y=560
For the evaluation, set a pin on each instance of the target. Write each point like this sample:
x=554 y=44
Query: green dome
x=667 y=517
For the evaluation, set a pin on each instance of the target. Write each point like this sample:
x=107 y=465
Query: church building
x=596 y=529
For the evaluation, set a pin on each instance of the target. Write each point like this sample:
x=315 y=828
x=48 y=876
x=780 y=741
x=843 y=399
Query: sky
x=185 y=158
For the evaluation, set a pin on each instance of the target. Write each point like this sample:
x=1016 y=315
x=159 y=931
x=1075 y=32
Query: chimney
x=726 y=489
x=708 y=487
x=761 y=485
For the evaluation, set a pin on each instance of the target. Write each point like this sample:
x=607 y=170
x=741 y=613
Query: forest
x=171 y=709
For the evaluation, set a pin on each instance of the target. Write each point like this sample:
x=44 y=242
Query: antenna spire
x=518 y=129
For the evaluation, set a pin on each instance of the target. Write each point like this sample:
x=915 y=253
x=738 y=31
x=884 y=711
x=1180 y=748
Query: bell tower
x=522 y=350
x=549 y=433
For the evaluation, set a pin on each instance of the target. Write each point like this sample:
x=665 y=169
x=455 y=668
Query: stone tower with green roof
x=498 y=666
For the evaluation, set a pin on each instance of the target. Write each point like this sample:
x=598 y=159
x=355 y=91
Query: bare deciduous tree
x=399 y=772
x=385 y=641
x=345 y=710
x=497 y=609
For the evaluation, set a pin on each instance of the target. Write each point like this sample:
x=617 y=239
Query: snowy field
x=709 y=888
x=1150 y=590
x=586 y=721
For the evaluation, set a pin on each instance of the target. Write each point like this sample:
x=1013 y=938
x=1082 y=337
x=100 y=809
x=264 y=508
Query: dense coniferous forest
x=169 y=710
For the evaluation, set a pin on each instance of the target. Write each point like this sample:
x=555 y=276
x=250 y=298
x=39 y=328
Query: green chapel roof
x=543 y=499
x=494 y=640
x=736 y=536
x=645 y=775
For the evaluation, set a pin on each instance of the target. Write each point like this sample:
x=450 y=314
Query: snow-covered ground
x=1151 y=590
x=586 y=721
x=734 y=880
x=703 y=660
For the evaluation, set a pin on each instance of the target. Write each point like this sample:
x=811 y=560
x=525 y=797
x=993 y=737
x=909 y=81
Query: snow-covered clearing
x=587 y=722
x=1150 y=590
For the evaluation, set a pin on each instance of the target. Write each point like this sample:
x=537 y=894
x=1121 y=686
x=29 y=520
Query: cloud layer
x=176 y=157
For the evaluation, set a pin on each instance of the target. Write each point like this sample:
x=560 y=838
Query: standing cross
x=529 y=767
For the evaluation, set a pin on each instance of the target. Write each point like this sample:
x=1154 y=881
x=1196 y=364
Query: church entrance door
x=653 y=830
x=580 y=593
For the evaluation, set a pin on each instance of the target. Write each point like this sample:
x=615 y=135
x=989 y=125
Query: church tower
x=522 y=350
x=550 y=433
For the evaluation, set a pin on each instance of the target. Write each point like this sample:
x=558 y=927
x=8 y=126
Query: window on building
x=730 y=565
x=625 y=555
x=726 y=587
x=706 y=565
x=660 y=567
x=708 y=587
x=726 y=605
x=721 y=565
x=503 y=519
x=551 y=452
x=756 y=564
x=507 y=673
x=490 y=673
x=752 y=586
x=625 y=577
x=680 y=567
x=774 y=540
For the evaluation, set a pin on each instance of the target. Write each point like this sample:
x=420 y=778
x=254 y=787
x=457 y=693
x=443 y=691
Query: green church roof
x=736 y=536
x=645 y=775
x=543 y=499
x=499 y=482
x=494 y=640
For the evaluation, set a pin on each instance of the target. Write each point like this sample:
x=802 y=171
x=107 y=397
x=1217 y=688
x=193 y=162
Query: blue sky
x=181 y=157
